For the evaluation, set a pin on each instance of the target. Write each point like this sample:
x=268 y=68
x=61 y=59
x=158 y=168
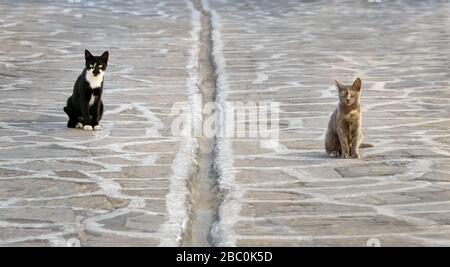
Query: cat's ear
x=357 y=84
x=87 y=54
x=338 y=84
x=105 y=56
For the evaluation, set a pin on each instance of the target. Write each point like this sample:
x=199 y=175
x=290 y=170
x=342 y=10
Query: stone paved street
x=132 y=183
x=290 y=193
x=103 y=188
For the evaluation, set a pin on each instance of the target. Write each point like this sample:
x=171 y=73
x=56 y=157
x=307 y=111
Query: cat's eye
x=91 y=66
x=100 y=66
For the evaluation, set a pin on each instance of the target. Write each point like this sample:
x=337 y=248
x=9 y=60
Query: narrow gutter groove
x=202 y=184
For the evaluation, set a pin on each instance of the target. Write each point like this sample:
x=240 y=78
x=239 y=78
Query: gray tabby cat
x=344 y=134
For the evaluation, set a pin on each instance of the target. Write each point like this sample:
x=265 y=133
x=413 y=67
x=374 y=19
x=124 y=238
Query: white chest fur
x=92 y=100
x=94 y=81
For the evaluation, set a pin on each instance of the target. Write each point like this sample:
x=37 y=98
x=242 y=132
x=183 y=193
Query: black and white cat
x=84 y=107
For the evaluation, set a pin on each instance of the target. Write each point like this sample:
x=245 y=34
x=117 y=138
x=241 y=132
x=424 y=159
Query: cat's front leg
x=85 y=113
x=97 y=115
x=343 y=139
x=356 y=133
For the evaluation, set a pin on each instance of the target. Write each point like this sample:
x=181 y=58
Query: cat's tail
x=365 y=145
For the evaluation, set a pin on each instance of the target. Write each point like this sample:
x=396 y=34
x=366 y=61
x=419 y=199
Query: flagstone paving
x=127 y=185
x=61 y=186
x=289 y=193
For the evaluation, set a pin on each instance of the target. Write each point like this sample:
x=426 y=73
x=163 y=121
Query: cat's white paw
x=334 y=154
x=87 y=127
x=79 y=125
x=98 y=127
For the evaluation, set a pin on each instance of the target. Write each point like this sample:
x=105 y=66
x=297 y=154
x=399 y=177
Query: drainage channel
x=202 y=187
